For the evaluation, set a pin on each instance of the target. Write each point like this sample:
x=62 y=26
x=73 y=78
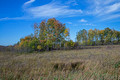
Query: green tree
x=118 y=36
x=69 y=44
x=101 y=36
x=52 y=33
x=108 y=35
x=96 y=37
x=91 y=36
x=82 y=37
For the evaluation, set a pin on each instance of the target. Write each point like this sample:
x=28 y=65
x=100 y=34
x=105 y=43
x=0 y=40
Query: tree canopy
x=98 y=37
x=50 y=34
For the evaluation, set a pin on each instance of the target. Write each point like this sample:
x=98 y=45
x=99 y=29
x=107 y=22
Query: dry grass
x=85 y=64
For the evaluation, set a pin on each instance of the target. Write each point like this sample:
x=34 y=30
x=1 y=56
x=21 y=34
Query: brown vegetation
x=86 y=64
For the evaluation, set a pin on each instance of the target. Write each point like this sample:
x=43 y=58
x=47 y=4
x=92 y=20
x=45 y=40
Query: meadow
x=84 y=64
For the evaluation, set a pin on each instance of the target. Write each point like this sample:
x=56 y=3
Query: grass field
x=85 y=64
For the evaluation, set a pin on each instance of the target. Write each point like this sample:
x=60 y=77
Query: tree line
x=98 y=37
x=53 y=35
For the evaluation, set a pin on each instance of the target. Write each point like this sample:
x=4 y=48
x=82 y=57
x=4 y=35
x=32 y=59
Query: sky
x=18 y=16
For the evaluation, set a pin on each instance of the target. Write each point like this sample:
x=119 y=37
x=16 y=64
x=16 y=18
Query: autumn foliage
x=48 y=35
x=53 y=35
x=98 y=37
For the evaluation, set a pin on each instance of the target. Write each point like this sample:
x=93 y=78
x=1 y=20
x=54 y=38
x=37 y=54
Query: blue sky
x=18 y=16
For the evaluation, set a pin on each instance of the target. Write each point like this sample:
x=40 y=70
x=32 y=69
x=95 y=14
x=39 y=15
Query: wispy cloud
x=111 y=17
x=89 y=24
x=69 y=22
x=73 y=2
x=102 y=8
x=53 y=10
x=19 y=18
x=28 y=2
x=15 y=18
x=82 y=20
x=113 y=8
x=6 y=18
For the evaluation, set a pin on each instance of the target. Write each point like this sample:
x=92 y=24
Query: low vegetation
x=86 y=64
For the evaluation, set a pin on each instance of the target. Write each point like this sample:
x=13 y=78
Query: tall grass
x=86 y=64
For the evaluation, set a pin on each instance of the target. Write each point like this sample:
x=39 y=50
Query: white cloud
x=73 y=2
x=69 y=22
x=109 y=9
x=111 y=17
x=53 y=10
x=6 y=18
x=113 y=8
x=15 y=18
x=89 y=24
x=28 y=2
x=102 y=8
x=82 y=20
